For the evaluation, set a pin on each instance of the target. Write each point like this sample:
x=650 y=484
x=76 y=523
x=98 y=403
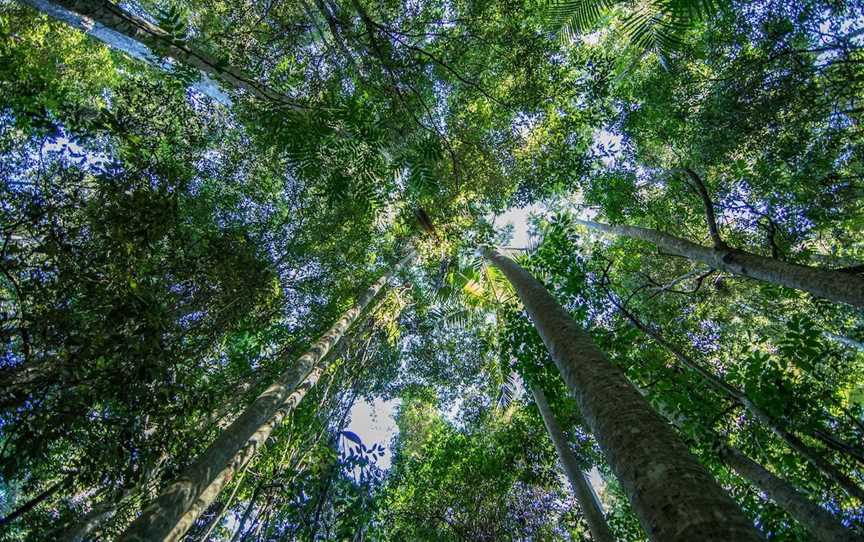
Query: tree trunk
x=832 y=285
x=819 y=522
x=180 y=504
x=81 y=531
x=35 y=501
x=674 y=497
x=152 y=41
x=584 y=494
x=776 y=426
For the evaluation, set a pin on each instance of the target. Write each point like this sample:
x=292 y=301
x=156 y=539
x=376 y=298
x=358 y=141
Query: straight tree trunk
x=241 y=525
x=180 y=504
x=819 y=522
x=584 y=494
x=832 y=285
x=35 y=501
x=816 y=520
x=674 y=497
x=158 y=41
x=812 y=455
x=81 y=531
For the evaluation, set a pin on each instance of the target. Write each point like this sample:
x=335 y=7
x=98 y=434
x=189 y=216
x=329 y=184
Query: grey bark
x=819 y=522
x=581 y=489
x=832 y=285
x=146 y=40
x=81 y=531
x=180 y=504
x=846 y=341
x=35 y=501
x=674 y=497
x=809 y=453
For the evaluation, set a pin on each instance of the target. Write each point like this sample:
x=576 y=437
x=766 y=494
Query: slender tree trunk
x=241 y=525
x=846 y=341
x=819 y=522
x=180 y=504
x=674 y=497
x=584 y=494
x=833 y=285
x=81 y=531
x=35 y=501
x=776 y=426
x=158 y=41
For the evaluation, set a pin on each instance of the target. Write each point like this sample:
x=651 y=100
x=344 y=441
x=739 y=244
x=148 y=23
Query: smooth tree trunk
x=84 y=529
x=581 y=489
x=148 y=41
x=674 y=496
x=816 y=520
x=832 y=285
x=182 y=502
x=812 y=455
x=819 y=522
x=35 y=501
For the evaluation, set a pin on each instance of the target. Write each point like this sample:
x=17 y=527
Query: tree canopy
x=226 y=224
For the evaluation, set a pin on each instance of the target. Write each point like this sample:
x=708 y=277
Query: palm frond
x=651 y=29
x=654 y=25
x=573 y=17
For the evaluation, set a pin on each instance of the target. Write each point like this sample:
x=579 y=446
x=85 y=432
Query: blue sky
x=374 y=422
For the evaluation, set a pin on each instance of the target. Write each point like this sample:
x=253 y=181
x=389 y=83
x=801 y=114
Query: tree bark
x=819 y=522
x=180 y=504
x=81 y=531
x=812 y=455
x=832 y=285
x=584 y=494
x=35 y=501
x=159 y=42
x=674 y=497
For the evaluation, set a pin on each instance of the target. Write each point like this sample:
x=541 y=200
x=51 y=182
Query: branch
x=668 y=287
x=699 y=186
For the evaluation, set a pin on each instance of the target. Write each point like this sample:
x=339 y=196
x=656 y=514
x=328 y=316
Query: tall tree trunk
x=154 y=42
x=832 y=285
x=241 y=524
x=674 y=497
x=819 y=522
x=584 y=494
x=35 y=501
x=81 y=531
x=776 y=426
x=180 y=504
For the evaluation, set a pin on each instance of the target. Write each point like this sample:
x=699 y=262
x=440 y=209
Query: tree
x=776 y=426
x=581 y=488
x=180 y=504
x=167 y=252
x=162 y=42
x=674 y=497
x=833 y=285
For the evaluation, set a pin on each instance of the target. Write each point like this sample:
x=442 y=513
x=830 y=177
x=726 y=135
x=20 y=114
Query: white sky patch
x=375 y=423
x=591 y=39
x=518 y=217
x=607 y=145
x=598 y=484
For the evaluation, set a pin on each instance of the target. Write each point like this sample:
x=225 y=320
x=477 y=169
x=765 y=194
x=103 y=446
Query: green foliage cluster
x=164 y=257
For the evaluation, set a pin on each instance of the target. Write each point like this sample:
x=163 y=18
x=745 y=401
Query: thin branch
x=699 y=186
